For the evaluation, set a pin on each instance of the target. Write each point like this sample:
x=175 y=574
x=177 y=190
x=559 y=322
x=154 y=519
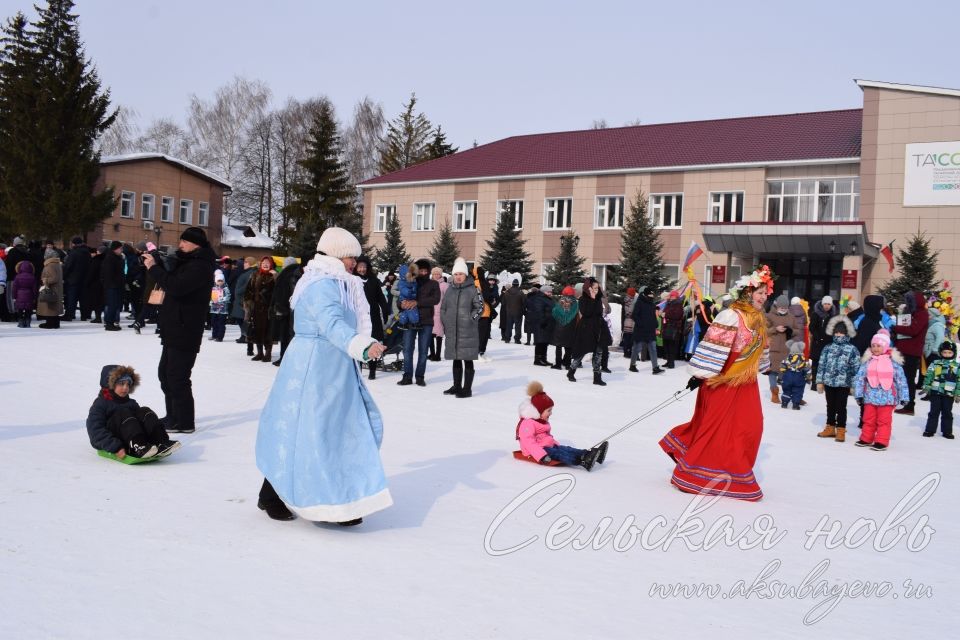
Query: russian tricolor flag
x=694 y=253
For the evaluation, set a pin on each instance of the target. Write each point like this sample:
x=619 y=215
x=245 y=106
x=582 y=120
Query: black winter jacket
x=111 y=271
x=540 y=316
x=102 y=410
x=644 y=320
x=186 y=298
x=75 y=266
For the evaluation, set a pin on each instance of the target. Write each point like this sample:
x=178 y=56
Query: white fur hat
x=339 y=243
x=218 y=276
x=795 y=300
x=459 y=266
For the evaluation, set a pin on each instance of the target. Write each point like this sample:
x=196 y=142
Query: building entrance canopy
x=789 y=238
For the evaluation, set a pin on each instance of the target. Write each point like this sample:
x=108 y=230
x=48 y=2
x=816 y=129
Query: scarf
x=562 y=317
x=351 y=288
x=747 y=363
x=880 y=371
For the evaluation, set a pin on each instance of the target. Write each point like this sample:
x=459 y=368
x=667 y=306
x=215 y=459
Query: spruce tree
x=505 y=251
x=407 y=140
x=445 y=249
x=439 y=147
x=918 y=270
x=394 y=252
x=641 y=254
x=567 y=268
x=323 y=197
x=52 y=110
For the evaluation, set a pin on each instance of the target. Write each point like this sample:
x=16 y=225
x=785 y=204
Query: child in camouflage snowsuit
x=941 y=385
x=794 y=375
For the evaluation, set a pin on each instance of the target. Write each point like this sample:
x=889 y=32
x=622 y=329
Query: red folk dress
x=715 y=451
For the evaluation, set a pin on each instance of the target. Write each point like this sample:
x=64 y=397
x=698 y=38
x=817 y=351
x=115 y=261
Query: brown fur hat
x=119 y=372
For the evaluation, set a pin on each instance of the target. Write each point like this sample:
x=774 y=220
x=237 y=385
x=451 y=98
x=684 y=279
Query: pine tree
x=52 y=111
x=394 y=252
x=407 y=139
x=641 y=254
x=918 y=270
x=567 y=268
x=445 y=249
x=439 y=147
x=323 y=197
x=505 y=250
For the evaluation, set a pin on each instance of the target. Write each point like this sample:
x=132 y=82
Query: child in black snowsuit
x=117 y=424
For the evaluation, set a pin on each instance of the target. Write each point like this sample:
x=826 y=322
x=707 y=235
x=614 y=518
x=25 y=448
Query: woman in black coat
x=379 y=309
x=592 y=333
x=645 y=329
x=540 y=322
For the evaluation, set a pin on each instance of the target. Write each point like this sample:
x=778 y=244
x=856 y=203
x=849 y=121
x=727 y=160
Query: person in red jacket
x=911 y=331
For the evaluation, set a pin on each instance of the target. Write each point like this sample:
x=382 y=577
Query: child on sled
x=118 y=425
x=536 y=442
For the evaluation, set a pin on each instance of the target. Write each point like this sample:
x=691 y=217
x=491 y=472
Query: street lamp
x=157 y=229
x=833 y=246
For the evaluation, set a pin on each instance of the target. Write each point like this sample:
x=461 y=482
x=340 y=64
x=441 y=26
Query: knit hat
x=515 y=282
x=196 y=235
x=881 y=337
x=797 y=347
x=77 y=240
x=116 y=244
x=50 y=253
x=141 y=246
x=218 y=276
x=795 y=300
x=826 y=300
x=568 y=291
x=459 y=266
x=946 y=345
x=423 y=263
x=337 y=242
x=673 y=295
x=782 y=301
x=18 y=241
x=546 y=289
x=538 y=398
x=631 y=291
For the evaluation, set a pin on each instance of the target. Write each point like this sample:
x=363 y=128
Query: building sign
x=719 y=275
x=931 y=174
x=848 y=279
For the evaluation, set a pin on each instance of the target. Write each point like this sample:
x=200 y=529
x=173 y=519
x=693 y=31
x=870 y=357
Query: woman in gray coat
x=460 y=311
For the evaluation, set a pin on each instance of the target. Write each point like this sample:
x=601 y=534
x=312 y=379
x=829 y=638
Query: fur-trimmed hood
x=894 y=355
x=834 y=321
x=113 y=372
x=527 y=410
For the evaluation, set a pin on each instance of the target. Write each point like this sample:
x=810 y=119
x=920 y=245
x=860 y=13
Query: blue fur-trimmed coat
x=877 y=395
x=839 y=360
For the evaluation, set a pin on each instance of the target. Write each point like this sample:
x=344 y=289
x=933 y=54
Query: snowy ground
x=90 y=548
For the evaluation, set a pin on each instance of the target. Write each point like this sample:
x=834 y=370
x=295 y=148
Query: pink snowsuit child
x=536 y=442
x=880 y=385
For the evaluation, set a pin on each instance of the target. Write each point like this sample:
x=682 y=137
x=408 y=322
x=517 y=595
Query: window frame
x=710 y=205
x=853 y=197
x=605 y=266
x=382 y=212
x=517 y=214
x=543 y=271
x=473 y=216
x=151 y=215
x=166 y=203
x=620 y=199
x=676 y=276
x=203 y=214
x=189 y=208
x=127 y=201
x=433 y=216
x=546 y=213
x=651 y=207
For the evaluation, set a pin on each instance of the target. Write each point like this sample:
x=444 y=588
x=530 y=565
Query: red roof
x=823 y=135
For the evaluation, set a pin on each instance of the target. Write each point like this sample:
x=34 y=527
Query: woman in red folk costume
x=716 y=450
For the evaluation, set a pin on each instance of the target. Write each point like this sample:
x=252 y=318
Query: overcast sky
x=491 y=69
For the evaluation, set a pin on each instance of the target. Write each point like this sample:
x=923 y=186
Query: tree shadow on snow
x=14 y=431
x=416 y=491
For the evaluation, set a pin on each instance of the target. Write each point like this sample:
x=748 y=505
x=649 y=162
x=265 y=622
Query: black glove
x=694 y=382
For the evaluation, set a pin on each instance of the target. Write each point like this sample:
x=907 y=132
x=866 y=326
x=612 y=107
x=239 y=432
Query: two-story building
x=815 y=195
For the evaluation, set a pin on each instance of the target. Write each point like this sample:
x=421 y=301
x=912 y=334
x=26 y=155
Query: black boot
x=372 y=365
x=570 y=376
x=604 y=361
x=467 y=390
x=588 y=459
x=249 y=348
x=270 y=502
x=259 y=356
x=598 y=380
x=351 y=523
x=602 y=451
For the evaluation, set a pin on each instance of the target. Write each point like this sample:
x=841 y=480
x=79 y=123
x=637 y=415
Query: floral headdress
x=761 y=276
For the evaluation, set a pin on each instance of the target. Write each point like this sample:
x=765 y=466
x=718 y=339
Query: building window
x=600 y=272
x=671 y=272
x=126 y=204
x=382 y=216
x=513 y=208
x=544 y=268
x=146 y=206
x=726 y=207
x=464 y=216
x=424 y=215
x=558 y=213
x=813 y=200
x=666 y=210
x=609 y=212
x=166 y=209
x=203 y=214
x=186 y=212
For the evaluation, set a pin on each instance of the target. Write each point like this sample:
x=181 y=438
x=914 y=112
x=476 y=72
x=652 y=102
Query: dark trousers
x=72 y=300
x=484 y=326
x=670 y=350
x=562 y=356
x=793 y=385
x=911 y=364
x=23 y=318
x=174 y=371
x=567 y=455
x=111 y=313
x=422 y=337
x=147 y=311
x=285 y=330
x=510 y=325
x=540 y=351
x=941 y=410
x=837 y=405
x=597 y=358
x=141 y=426
x=218 y=323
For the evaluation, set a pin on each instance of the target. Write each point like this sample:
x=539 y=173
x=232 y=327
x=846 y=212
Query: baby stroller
x=393 y=340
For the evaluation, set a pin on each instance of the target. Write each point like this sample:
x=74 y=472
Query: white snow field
x=90 y=548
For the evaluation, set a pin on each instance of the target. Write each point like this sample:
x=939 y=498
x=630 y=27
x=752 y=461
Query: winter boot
x=775 y=396
x=657 y=370
x=268 y=355
x=259 y=356
x=841 y=434
x=602 y=451
x=570 y=374
x=276 y=510
x=598 y=379
x=372 y=365
x=589 y=458
x=351 y=523
x=829 y=431
x=633 y=369
x=249 y=348
x=141 y=450
x=405 y=381
x=604 y=361
x=467 y=390
x=906 y=410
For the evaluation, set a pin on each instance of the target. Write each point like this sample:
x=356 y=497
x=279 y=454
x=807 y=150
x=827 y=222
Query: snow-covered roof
x=134 y=157
x=242 y=235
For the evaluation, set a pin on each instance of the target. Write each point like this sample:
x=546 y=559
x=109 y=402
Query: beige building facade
x=818 y=213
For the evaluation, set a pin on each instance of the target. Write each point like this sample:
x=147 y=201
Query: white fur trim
x=345 y=512
x=527 y=410
x=358 y=345
x=895 y=355
x=325 y=267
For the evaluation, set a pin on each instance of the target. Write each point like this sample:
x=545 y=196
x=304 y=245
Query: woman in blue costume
x=318 y=445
